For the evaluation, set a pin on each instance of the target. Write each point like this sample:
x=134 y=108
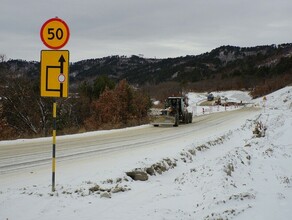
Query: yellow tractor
x=174 y=113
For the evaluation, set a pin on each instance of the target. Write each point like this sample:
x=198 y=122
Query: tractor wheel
x=176 y=123
x=190 y=117
x=186 y=118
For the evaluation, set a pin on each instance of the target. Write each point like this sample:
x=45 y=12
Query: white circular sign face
x=61 y=78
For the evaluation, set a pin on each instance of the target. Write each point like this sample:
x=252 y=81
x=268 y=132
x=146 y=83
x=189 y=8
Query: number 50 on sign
x=55 y=33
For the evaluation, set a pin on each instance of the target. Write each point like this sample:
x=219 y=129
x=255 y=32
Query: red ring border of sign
x=67 y=28
x=59 y=79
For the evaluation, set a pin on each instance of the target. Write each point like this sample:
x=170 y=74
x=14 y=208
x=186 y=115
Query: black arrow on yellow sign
x=62 y=61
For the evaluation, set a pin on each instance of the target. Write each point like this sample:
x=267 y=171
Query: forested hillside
x=242 y=67
x=115 y=91
x=246 y=66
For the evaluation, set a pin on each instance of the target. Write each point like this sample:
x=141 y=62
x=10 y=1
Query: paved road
x=17 y=155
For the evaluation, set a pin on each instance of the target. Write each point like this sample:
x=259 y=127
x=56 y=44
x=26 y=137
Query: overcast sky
x=154 y=28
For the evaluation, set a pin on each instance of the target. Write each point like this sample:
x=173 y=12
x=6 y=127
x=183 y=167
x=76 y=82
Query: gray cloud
x=155 y=28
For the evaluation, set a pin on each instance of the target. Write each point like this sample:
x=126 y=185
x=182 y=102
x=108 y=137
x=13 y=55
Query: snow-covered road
x=26 y=154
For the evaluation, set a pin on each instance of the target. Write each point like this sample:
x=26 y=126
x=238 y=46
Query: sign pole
x=54 y=145
x=54 y=72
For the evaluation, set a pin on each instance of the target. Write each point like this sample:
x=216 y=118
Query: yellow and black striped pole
x=54 y=145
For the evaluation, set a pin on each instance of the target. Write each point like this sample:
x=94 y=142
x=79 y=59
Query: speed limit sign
x=55 y=33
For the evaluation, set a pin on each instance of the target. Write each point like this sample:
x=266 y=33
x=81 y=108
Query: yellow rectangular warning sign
x=54 y=73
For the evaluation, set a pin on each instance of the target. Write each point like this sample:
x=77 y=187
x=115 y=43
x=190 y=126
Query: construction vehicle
x=210 y=97
x=174 y=113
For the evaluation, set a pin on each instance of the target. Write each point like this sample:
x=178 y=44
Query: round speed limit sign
x=55 y=33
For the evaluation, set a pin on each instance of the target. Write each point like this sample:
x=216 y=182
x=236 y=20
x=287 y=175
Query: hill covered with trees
x=115 y=91
x=247 y=66
x=226 y=67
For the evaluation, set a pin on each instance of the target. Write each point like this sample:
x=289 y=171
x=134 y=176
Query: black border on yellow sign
x=57 y=60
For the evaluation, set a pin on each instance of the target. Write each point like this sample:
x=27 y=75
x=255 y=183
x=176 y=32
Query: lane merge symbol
x=54 y=73
x=61 y=67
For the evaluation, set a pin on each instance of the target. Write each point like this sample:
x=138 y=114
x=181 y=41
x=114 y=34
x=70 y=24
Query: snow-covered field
x=195 y=100
x=234 y=175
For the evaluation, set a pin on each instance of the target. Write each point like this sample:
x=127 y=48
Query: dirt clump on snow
x=138 y=175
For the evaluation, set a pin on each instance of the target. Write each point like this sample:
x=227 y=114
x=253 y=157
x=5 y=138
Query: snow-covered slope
x=234 y=175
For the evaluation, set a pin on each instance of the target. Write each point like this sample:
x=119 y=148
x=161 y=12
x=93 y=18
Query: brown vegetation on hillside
x=271 y=85
x=120 y=107
x=24 y=114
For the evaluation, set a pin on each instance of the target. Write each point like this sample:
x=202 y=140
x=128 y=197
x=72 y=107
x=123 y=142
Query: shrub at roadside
x=123 y=106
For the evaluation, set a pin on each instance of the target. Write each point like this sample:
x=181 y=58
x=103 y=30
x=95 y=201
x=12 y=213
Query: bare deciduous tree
x=2 y=58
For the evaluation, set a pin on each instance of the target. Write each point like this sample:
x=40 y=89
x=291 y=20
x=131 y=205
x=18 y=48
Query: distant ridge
x=246 y=64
